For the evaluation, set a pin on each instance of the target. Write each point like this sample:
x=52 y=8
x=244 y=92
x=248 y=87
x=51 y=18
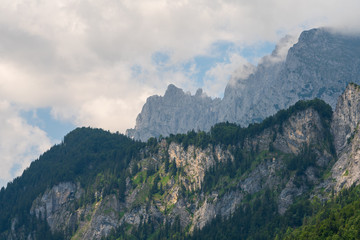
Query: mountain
x=266 y=181
x=174 y=113
x=319 y=65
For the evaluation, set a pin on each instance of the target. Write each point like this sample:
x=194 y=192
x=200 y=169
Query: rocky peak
x=173 y=92
x=183 y=190
x=199 y=93
x=175 y=112
x=319 y=65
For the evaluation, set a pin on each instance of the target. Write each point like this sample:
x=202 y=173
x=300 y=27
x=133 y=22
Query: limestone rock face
x=300 y=129
x=56 y=206
x=319 y=65
x=104 y=218
x=345 y=126
x=181 y=195
x=346 y=116
x=196 y=162
x=346 y=170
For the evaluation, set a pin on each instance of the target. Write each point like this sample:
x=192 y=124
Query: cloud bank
x=20 y=143
x=94 y=63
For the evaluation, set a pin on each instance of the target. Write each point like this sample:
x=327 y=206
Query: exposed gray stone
x=319 y=65
x=345 y=124
x=346 y=117
x=57 y=206
x=175 y=112
x=96 y=220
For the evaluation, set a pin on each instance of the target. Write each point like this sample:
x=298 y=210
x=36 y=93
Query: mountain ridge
x=320 y=65
x=176 y=185
x=265 y=181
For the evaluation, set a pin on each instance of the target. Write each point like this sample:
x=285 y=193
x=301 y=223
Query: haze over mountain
x=319 y=65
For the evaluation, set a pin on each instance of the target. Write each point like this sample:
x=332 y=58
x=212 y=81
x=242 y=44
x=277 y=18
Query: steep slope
x=337 y=219
x=330 y=211
x=345 y=126
x=61 y=179
x=97 y=184
x=319 y=65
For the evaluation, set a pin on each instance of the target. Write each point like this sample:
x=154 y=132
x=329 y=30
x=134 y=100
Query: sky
x=70 y=63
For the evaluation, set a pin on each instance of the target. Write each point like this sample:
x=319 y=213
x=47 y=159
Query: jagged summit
x=320 y=64
x=200 y=93
x=173 y=91
x=175 y=112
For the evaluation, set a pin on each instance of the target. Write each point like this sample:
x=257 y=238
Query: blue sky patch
x=160 y=58
x=14 y=169
x=220 y=53
x=42 y=118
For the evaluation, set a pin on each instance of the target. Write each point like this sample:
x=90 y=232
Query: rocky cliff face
x=180 y=194
x=196 y=162
x=56 y=206
x=346 y=117
x=319 y=65
x=302 y=128
x=345 y=129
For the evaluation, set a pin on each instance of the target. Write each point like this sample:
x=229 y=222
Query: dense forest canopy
x=81 y=157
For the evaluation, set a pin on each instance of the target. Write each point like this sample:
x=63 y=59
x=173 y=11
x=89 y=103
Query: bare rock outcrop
x=175 y=112
x=57 y=206
x=346 y=117
x=197 y=161
x=319 y=65
x=181 y=197
x=345 y=126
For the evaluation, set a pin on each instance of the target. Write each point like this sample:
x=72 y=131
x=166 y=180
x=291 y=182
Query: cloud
x=92 y=62
x=20 y=143
x=281 y=50
x=218 y=76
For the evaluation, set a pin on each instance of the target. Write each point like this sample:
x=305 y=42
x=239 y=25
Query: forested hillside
x=271 y=180
x=93 y=158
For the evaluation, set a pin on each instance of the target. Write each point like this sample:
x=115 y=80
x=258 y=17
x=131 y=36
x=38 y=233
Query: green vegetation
x=104 y=163
x=95 y=158
x=232 y=134
x=357 y=87
x=339 y=218
x=257 y=217
x=151 y=230
x=353 y=134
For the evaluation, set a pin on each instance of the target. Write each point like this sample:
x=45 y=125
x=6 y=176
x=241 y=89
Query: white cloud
x=20 y=143
x=217 y=77
x=77 y=57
